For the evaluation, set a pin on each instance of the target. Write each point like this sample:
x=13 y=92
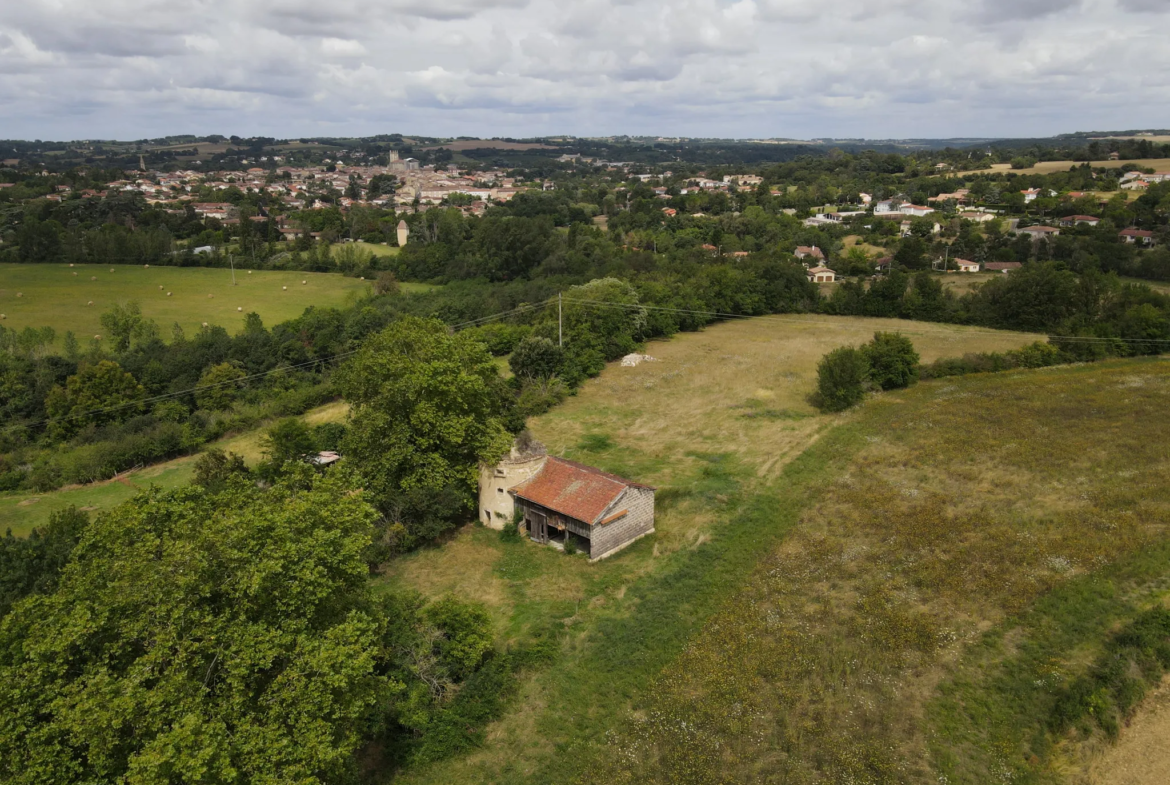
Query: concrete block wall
x=609 y=538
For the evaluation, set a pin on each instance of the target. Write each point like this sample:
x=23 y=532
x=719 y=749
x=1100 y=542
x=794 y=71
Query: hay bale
x=239 y=309
x=20 y=294
x=93 y=277
x=249 y=272
x=71 y=264
x=111 y=269
x=90 y=302
x=284 y=288
x=75 y=273
x=210 y=296
x=205 y=324
x=2 y=317
x=168 y=294
x=160 y=287
x=97 y=337
x=304 y=282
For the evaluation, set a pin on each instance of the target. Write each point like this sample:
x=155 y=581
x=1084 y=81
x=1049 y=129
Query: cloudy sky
x=130 y=69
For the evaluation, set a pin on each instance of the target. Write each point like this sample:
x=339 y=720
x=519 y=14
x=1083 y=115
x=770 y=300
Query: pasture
x=22 y=511
x=58 y=295
x=718 y=424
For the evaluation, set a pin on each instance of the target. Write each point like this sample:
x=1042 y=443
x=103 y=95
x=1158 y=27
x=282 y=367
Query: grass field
x=376 y=249
x=1048 y=167
x=23 y=511
x=52 y=295
x=717 y=425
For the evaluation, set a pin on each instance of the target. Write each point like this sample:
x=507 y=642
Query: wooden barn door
x=539 y=526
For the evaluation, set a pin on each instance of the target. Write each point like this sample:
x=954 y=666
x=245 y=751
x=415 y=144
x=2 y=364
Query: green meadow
x=60 y=296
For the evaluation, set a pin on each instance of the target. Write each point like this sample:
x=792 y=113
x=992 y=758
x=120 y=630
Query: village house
x=1136 y=236
x=966 y=266
x=1075 y=220
x=1037 y=232
x=1001 y=267
x=803 y=251
x=559 y=501
x=1030 y=195
x=821 y=274
x=976 y=217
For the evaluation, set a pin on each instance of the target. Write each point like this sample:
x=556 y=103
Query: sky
x=131 y=69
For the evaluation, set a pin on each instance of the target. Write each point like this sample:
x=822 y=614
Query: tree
x=220 y=385
x=32 y=565
x=289 y=440
x=536 y=358
x=97 y=395
x=387 y=283
x=842 y=376
x=121 y=322
x=228 y=638
x=427 y=408
x=893 y=363
x=214 y=469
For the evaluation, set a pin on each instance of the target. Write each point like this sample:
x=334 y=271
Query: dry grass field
x=1048 y=167
x=716 y=425
x=948 y=584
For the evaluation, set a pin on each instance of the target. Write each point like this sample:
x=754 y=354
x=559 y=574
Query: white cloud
x=131 y=68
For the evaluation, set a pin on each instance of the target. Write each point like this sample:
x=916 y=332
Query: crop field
x=721 y=426
x=59 y=296
x=21 y=512
x=1048 y=167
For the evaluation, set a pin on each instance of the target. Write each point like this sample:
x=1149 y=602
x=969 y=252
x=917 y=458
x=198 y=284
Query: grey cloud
x=1147 y=6
x=1020 y=10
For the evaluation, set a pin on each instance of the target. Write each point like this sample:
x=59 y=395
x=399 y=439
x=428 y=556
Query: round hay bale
x=93 y=277
x=304 y=282
x=160 y=287
x=111 y=269
x=205 y=324
x=210 y=296
x=284 y=288
x=168 y=294
x=70 y=264
x=90 y=302
x=239 y=309
x=97 y=337
x=20 y=294
x=249 y=272
x=146 y=265
x=75 y=273
x=2 y=316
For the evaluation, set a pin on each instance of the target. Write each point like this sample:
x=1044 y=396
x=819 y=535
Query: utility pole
x=560 y=322
x=232 y=262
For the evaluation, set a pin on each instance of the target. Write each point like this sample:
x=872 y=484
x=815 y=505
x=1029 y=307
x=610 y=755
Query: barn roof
x=574 y=489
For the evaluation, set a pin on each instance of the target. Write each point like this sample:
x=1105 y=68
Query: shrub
x=842 y=378
x=215 y=468
x=536 y=358
x=893 y=363
x=501 y=339
x=386 y=283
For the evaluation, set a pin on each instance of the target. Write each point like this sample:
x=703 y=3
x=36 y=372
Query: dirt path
x=1142 y=756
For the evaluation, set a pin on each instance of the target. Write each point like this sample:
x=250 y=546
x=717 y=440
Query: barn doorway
x=538 y=526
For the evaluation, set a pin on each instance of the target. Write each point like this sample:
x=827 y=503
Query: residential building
x=1038 y=232
x=966 y=266
x=821 y=274
x=1137 y=236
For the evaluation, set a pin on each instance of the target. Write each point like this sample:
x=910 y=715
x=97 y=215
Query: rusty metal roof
x=574 y=489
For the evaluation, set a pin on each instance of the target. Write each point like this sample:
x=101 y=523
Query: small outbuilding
x=558 y=501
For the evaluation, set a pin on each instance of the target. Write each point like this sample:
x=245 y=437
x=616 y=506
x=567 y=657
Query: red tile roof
x=574 y=489
x=1001 y=265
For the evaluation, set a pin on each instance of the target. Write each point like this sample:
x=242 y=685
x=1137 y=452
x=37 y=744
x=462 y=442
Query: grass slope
x=717 y=425
x=943 y=588
x=23 y=511
x=52 y=295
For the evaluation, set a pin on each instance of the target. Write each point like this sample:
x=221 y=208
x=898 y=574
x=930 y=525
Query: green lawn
x=51 y=294
x=377 y=249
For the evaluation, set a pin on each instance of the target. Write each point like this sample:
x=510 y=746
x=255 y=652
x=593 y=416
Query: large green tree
x=97 y=394
x=427 y=410
x=200 y=638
